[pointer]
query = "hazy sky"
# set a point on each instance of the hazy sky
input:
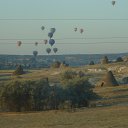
(64, 9)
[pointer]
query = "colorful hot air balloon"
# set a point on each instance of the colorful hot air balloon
(42, 28)
(19, 43)
(35, 53)
(113, 2)
(45, 41)
(48, 50)
(81, 30)
(51, 42)
(55, 50)
(52, 30)
(50, 35)
(36, 43)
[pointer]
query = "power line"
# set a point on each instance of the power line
(64, 19)
(73, 43)
(72, 38)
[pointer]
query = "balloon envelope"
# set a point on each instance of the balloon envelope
(51, 42)
(81, 30)
(42, 27)
(55, 50)
(19, 43)
(113, 2)
(36, 43)
(52, 30)
(50, 35)
(48, 50)
(35, 53)
(75, 29)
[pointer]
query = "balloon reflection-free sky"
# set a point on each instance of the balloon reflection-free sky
(105, 26)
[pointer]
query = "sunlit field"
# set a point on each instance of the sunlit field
(106, 117)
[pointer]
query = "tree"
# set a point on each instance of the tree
(41, 93)
(105, 60)
(56, 64)
(69, 74)
(119, 59)
(91, 63)
(79, 91)
(19, 70)
(16, 95)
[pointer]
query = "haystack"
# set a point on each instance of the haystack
(109, 80)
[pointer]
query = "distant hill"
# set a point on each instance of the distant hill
(29, 61)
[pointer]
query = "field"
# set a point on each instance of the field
(104, 117)
(109, 111)
(94, 71)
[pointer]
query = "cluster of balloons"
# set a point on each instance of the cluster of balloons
(51, 41)
(48, 50)
(81, 30)
(50, 35)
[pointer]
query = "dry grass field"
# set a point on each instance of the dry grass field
(102, 117)
(111, 110)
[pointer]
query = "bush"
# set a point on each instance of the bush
(18, 71)
(16, 95)
(67, 75)
(25, 95)
(105, 60)
(91, 63)
(125, 80)
(39, 95)
(119, 59)
(56, 64)
(79, 91)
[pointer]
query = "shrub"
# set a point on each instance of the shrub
(78, 91)
(119, 59)
(18, 71)
(67, 75)
(56, 64)
(105, 60)
(91, 63)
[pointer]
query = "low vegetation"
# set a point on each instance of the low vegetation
(41, 95)
(105, 117)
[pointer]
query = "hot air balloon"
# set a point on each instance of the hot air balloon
(55, 50)
(51, 42)
(50, 35)
(19, 43)
(113, 2)
(42, 28)
(75, 29)
(81, 30)
(36, 43)
(45, 41)
(52, 30)
(48, 50)
(35, 53)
